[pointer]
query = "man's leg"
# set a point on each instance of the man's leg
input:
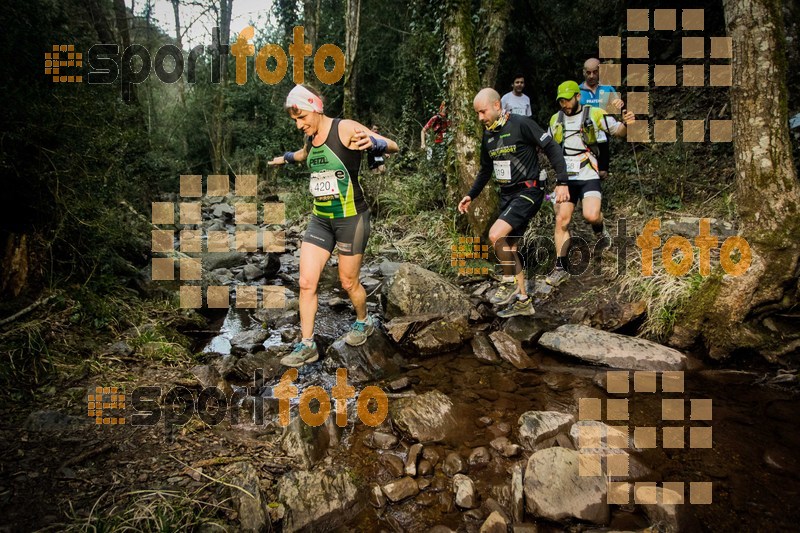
(592, 214)
(563, 218)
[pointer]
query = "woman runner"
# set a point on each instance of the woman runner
(333, 149)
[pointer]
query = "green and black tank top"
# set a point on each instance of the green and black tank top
(334, 177)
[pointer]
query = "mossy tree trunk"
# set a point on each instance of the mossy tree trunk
(462, 85)
(494, 20)
(352, 25)
(753, 311)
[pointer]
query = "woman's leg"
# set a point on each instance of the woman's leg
(349, 269)
(312, 262)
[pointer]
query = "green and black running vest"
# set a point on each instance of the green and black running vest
(334, 177)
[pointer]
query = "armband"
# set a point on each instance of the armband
(289, 157)
(379, 146)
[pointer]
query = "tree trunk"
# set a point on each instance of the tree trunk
(311, 21)
(181, 87)
(352, 21)
(495, 22)
(219, 135)
(749, 311)
(15, 265)
(462, 86)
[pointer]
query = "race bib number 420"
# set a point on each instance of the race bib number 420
(325, 183)
(502, 171)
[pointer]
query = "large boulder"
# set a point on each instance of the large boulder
(247, 498)
(444, 335)
(375, 359)
(511, 350)
(611, 349)
(425, 418)
(306, 444)
(318, 499)
(416, 291)
(555, 490)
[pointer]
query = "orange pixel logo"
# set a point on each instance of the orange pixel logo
(468, 248)
(103, 399)
(63, 55)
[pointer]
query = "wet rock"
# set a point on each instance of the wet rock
(223, 211)
(375, 359)
(209, 376)
(596, 438)
(431, 455)
(265, 364)
(564, 441)
(483, 421)
(474, 514)
(423, 483)
(669, 510)
(782, 459)
(611, 349)
(483, 349)
(525, 528)
(381, 440)
(394, 465)
(248, 341)
(376, 497)
(215, 260)
(369, 283)
(501, 429)
(464, 490)
(490, 505)
(318, 499)
(425, 468)
(479, 456)
(517, 493)
(252, 272)
(412, 458)
(424, 418)
(505, 447)
(453, 464)
(511, 350)
(306, 444)
(250, 508)
(614, 315)
(399, 384)
(537, 426)
(554, 490)
(401, 489)
(402, 327)
(495, 523)
(527, 329)
(414, 290)
(441, 336)
(389, 268)
(51, 420)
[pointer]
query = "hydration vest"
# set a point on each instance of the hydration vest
(590, 120)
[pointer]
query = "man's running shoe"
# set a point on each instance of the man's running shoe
(518, 308)
(301, 355)
(505, 293)
(359, 332)
(557, 277)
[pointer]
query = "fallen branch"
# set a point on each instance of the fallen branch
(78, 459)
(34, 305)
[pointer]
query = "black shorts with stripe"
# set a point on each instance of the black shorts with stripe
(518, 209)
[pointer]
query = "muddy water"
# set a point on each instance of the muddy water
(753, 463)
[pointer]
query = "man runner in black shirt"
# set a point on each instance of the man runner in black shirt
(508, 149)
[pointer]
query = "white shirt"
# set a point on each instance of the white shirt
(574, 146)
(519, 105)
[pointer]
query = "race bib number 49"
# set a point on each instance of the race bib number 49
(325, 184)
(502, 171)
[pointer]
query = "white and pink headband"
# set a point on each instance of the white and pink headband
(302, 98)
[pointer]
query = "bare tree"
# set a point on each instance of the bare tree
(753, 311)
(352, 22)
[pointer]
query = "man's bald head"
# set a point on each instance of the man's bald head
(591, 63)
(487, 96)
(487, 105)
(591, 72)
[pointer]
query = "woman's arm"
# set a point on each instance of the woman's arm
(356, 136)
(296, 157)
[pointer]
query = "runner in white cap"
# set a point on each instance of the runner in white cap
(333, 149)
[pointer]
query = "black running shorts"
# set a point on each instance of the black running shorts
(349, 234)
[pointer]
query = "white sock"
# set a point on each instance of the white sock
(308, 342)
(509, 279)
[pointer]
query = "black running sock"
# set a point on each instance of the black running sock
(561, 262)
(598, 228)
